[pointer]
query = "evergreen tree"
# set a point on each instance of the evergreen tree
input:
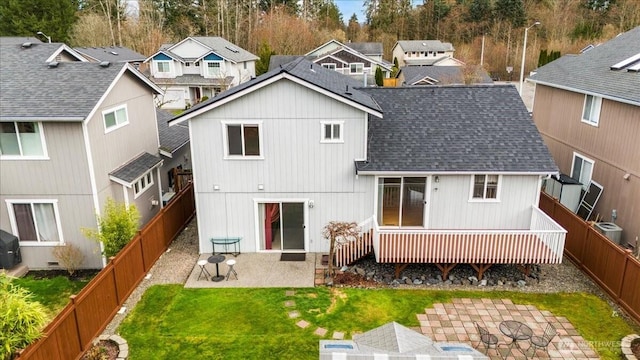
(511, 11)
(353, 28)
(262, 65)
(379, 78)
(26, 17)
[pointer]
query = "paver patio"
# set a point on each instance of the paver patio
(454, 322)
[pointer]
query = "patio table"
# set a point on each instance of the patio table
(516, 331)
(216, 259)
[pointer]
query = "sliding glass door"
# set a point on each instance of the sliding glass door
(282, 226)
(401, 201)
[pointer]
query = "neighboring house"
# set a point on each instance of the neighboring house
(72, 135)
(277, 158)
(442, 75)
(587, 108)
(346, 59)
(424, 53)
(113, 54)
(176, 153)
(197, 67)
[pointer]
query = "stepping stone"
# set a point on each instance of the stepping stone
(289, 293)
(320, 331)
(289, 303)
(303, 324)
(338, 335)
(294, 314)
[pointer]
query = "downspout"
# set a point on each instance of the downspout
(94, 186)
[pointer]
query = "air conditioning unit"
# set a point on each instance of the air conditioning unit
(610, 230)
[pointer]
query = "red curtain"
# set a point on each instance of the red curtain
(272, 214)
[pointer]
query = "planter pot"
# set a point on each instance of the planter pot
(625, 344)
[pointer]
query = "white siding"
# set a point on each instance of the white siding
(295, 163)
(450, 207)
(189, 49)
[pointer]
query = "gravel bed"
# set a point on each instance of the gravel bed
(545, 278)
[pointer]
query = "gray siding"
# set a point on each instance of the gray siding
(76, 212)
(67, 157)
(117, 147)
(295, 164)
(450, 207)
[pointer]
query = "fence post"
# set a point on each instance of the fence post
(115, 279)
(75, 317)
(624, 272)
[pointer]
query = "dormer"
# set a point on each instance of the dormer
(163, 66)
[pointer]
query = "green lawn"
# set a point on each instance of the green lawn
(53, 293)
(171, 322)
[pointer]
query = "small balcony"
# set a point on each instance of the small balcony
(541, 243)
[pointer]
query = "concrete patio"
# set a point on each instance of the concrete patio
(259, 270)
(454, 322)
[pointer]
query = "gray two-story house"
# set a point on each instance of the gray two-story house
(72, 135)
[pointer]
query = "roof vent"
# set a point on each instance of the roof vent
(53, 64)
(105, 64)
(311, 67)
(346, 91)
(113, 53)
(587, 48)
(26, 45)
(232, 49)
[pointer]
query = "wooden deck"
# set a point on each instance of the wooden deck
(542, 243)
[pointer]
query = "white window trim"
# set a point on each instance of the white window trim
(148, 184)
(355, 73)
(584, 158)
(595, 110)
(116, 126)
(330, 66)
(484, 200)
(225, 140)
(45, 153)
(324, 140)
(14, 225)
(157, 69)
(220, 69)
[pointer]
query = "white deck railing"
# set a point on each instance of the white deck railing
(542, 243)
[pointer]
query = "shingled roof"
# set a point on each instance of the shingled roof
(114, 54)
(424, 45)
(315, 75)
(171, 138)
(66, 91)
(444, 74)
(590, 72)
(475, 128)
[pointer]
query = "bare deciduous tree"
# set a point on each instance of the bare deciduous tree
(339, 233)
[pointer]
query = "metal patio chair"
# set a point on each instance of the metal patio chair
(487, 339)
(542, 342)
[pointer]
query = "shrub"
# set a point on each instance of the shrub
(21, 318)
(379, 78)
(118, 226)
(69, 257)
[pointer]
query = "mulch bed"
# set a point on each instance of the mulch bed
(635, 347)
(104, 350)
(350, 279)
(78, 275)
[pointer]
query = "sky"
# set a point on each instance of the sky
(349, 7)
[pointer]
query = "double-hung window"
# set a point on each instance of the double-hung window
(582, 169)
(330, 66)
(115, 118)
(22, 140)
(163, 67)
(214, 68)
(35, 221)
(485, 187)
(591, 111)
(356, 68)
(243, 140)
(142, 184)
(331, 131)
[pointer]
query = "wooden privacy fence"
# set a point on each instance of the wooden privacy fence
(609, 265)
(70, 334)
